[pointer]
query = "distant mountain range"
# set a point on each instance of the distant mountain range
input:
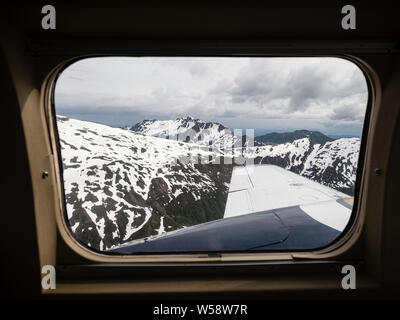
(340, 136)
(278, 138)
(132, 183)
(192, 130)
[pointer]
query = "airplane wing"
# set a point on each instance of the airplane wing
(268, 208)
(265, 187)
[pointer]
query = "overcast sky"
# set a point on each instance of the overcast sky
(276, 94)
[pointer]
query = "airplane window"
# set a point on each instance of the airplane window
(209, 154)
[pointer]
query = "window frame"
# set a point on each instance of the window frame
(341, 244)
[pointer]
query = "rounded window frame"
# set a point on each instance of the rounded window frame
(344, 242)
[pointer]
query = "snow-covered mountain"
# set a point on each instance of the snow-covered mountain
(193, 130)
(123, 185)
(333, 163)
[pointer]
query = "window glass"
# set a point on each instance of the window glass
(199, 154)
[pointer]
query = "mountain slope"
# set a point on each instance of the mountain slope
(121, 186)
(333, 163)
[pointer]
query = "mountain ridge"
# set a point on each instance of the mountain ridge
(193, 130)
(290, 136)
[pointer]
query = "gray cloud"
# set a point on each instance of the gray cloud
(347, 113)
(301, 87)
(313, 93)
